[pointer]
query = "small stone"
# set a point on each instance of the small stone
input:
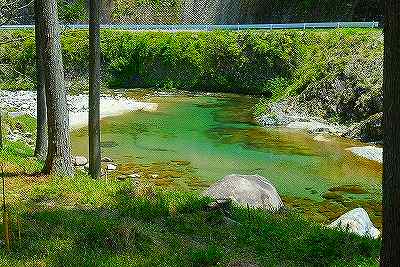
(81, 168)
(24, 106)
(321, 138)
(79, 161)
(219, 204)
(121, 178)
(134, 175)
(107, 159)
(111, 167)
(13, 137)
(154, 176)
(28, 135)
(357, 221)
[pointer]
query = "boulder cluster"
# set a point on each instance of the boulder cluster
(257, 192)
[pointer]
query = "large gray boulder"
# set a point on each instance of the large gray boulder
(252, 190)
(356, 221)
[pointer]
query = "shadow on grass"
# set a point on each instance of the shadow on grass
(175, 230)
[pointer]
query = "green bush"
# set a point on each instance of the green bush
(270, 63)
(73, 11)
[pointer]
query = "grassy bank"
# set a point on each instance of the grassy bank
(85, 222)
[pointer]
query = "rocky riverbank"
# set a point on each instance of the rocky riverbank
(24, 102)
(279, 115)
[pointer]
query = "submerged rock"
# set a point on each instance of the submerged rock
(321, 138)
(357, 221)
(252, 190)
(352, 189)
(107, 159)
(122, 177)
(79, 161)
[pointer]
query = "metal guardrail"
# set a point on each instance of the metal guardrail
(207, 27)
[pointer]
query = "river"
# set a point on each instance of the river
(214, 136)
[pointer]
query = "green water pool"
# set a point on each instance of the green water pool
(218, 136)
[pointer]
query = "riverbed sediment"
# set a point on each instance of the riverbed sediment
(24, 102)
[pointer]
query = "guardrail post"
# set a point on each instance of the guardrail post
(304, 26)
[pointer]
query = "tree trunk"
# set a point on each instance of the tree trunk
(391, 156)
(41, 131)
(94, 89)
(1, 134)
(58, 160)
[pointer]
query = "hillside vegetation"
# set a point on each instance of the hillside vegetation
(336, 74)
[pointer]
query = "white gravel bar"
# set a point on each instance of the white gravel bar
(24, 102)
(369, 152)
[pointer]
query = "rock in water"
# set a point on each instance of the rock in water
(107, 159)
(356, 221)
(111, 167)
(252, 190)
(79, 161)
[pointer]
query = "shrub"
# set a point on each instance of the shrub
(270, 63)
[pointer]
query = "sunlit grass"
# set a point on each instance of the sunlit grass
(80, 221)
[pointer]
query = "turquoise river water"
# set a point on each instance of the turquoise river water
(218, 136)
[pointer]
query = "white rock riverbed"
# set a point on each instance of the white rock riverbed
(318, 128)
(24, 102)
(369, 152)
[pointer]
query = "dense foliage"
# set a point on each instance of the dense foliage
(272, 63)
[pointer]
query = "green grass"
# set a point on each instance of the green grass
(84, 222)
(114, 224)
(22, 123)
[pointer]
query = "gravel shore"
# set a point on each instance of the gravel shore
(317, 127)
(369, 152)
(24, 102)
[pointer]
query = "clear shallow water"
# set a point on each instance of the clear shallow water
(218, 137)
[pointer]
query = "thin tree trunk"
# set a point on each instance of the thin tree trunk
(1, 134)
(94, 89)
(391, 156)
(41, 115)
(59, 147)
